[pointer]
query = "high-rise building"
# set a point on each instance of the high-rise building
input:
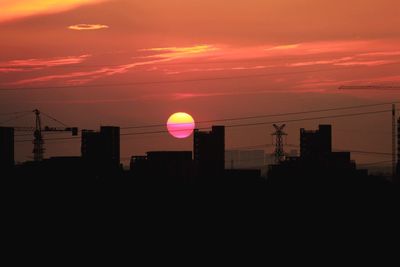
(316, 144)
(111, 144)
(90, 145)
(101, 149)
(6, 147)
(209, 151)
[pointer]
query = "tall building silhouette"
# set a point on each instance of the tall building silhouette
(6, 147)
(317, 163)
(101, 149)
(209, 151)
(316, 144)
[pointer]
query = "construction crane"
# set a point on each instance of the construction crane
(38, 130)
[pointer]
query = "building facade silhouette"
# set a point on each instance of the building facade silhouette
(316, 144)
(101, 149)
(209, 151)
(317, 162)
(6, 148)
(163, 167)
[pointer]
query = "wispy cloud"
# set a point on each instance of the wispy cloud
(383, 53)
(50, 62)
(182, 96)
(12, 9)
(39, 63)
(87, 27)
(82, 77)
(283, 47)
(319, 62)
(180, 52)
(258, 67)
(366, 63)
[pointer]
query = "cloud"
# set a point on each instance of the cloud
(213, 59)
(258, 67)
(39, 63)
(180, 52)
(366, 63)
(13, 9)
(284, 47)
(319, 62)
(183, 96)
(82, 77)
(382, 53)
(87, 27)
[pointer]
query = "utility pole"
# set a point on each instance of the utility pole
(279, 135)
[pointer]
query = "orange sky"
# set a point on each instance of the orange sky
(286, 55)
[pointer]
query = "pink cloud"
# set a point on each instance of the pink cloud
(173, 53)
(366, 63)
(319, 62)
(383, 53)
(8, 70)
(283, 47)
(51, 62)
(222, 58)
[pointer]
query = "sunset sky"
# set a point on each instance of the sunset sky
(130, 62)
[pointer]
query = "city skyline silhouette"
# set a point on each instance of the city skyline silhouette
(209, 162)
(269, 88)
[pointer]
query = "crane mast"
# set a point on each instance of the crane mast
(38, 142)
(38, 130)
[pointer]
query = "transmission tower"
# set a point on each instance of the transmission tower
(279, 135)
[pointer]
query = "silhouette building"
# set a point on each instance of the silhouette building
(209, 152)
(101, 149)
(317, 163)
(163, 167)
(316, 144)
(6, 147)
(244, 159)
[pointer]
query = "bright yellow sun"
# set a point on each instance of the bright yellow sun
(180, 125)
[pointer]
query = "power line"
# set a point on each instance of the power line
(14, 113)
(177, 81)
(246, 124)
(249, 117)
(270, 115)
(54, 119)
(21, 115)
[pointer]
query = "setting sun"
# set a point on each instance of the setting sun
(180, 125)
